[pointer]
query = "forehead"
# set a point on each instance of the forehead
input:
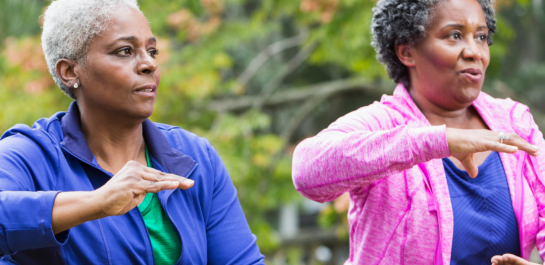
(462, 12)
(127, 21)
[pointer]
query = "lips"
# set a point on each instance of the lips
(472, 74)
(148, 90)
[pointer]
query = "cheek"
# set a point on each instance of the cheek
(486, 57)
(115, 73)
(441, 59)
(114, 70)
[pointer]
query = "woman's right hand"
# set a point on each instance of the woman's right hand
(464, 143)
(130, 185)
(120, 194)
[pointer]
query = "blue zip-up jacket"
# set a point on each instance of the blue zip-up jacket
(53, 156)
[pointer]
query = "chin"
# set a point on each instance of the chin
(142, 112)
(468, 94)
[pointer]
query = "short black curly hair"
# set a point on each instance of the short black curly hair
(398, 22)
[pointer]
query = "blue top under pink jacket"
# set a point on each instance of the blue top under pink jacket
(53, 156)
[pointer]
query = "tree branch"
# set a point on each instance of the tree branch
(298, 94)
(298, 118)
(264, 56)
(275, 82)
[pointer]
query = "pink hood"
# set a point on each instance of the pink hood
(388, 157)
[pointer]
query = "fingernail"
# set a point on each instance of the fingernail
(535, 147)
(187, 181)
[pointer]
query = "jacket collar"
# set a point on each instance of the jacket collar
(405, 105)
(409, 109)
(172, 160)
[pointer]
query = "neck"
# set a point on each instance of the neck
(113, 140)
(463, 118)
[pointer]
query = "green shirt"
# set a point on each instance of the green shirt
(167, 246)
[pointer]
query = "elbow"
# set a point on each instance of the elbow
(306, 173)
(303, 178)
(300, 172)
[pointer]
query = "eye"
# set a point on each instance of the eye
(153, 53)
(482, 38)
(124, 51)
(456, 36)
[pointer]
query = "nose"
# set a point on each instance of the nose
(472, 51)
(146, 64)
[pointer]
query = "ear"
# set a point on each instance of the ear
(67, 71)
(405, 54)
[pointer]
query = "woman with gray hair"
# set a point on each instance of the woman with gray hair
(440, 172)
(100, 183)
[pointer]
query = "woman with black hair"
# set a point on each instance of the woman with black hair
(440, 172)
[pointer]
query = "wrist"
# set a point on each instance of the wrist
(73, 208)
(94, 201)
(429, 142)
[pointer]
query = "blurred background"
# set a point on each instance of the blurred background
(256, 77)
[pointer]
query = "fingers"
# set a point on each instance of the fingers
(184, 183)
(498, 260)
(151, 174)
(515, 260)
(510, 259)
(470, 166)
(499, 147)
(154, 187)
(515, 140)
(462, 141)
(134, 171)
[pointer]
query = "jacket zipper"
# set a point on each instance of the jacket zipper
(148, 239)
(164, 204)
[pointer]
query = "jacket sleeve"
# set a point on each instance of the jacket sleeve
(359, 149)
(25, 210)
(229, 238)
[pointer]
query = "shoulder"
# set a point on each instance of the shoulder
(28, 153)
(376, 116)
(42, 138)
(199, 148)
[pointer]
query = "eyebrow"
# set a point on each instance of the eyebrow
(461, 26)
(133, 38)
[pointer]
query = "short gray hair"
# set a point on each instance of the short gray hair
(70, 25)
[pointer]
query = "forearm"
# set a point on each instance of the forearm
(332, 163)
(71, 209)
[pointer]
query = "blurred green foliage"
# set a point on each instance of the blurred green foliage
(206, 45)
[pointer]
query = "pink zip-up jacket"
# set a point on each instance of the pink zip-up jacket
(388, 157)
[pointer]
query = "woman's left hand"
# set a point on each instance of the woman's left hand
(510, 259)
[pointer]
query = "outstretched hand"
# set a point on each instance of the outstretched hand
(510, 259)
(130, 185)
(120, 194)
(464, 143)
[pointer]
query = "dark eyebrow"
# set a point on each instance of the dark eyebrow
(133, 38)
(130, 38)
(461, 26)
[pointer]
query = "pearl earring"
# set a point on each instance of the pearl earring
(76, 85)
